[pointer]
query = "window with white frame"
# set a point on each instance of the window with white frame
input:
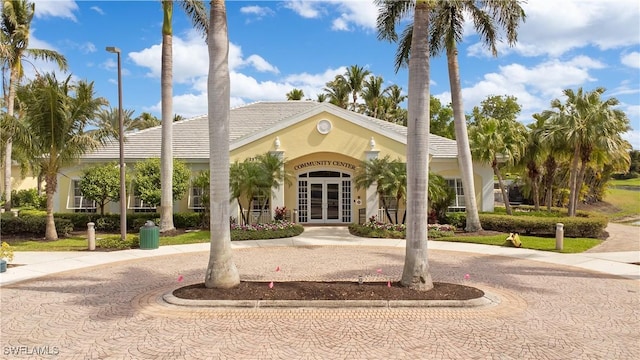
(138, 204)
(195, 198)
(77, 201)
(458, 201)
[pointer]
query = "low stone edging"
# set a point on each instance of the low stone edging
(486, 300)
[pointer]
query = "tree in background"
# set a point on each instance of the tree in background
(593, 127)
(15, 32)
(56, 115)
(101, 183)
(107, 122)
(497, 137)
(143, 121)
(295, 94)
(146, 180)
(197, 14)
(338, 92)
(354, 78)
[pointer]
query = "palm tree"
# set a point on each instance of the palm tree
(389, 176)
(535, 152)
(295, 94)
(197, 13)
(354, 78)
(446, 31)
(144, 121)
(221, 270)
(321, 98)
(589, 124)
(338, 91)
(372, 94)
(497, 134)
(107, 122)
(16, 29)
(56, 116)
(416, 272)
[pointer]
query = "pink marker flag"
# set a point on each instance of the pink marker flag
(180, 278)
(388, 283)
(467, 276)
(271, 285)
(379, 271)
(277, 268)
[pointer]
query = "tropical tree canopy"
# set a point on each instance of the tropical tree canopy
(56, 116)
(101, 183)
(146, 180)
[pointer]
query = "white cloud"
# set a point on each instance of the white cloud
(97, 9)
(261, 64)
(631, 60)
(571, 24)
(362, 14)
(533, 86)
(58, 8)
(306, 9)
(258, 11)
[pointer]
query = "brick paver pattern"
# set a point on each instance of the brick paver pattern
(116, 311)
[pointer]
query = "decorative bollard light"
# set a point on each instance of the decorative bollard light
(91, 235)
(559, 236)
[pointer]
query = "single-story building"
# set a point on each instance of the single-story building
(322, 145)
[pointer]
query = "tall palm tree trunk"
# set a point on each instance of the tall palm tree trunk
(221, 270)
(50, 189)
(13, 84)
(503, 190)
(166, 149)
(462, 141)
(416, 274)
(573, 186)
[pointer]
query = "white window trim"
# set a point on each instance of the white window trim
(71, 196)
(192, 198)
(457, 201)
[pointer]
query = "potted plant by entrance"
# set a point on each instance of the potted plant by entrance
(6, 254)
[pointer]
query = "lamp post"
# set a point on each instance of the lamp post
(123, 190)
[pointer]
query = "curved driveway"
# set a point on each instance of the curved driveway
(115, 311)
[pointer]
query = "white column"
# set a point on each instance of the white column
(371, 199)
(277, 195)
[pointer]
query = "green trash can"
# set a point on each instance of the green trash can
(149, 236)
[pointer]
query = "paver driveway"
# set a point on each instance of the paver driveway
(115, 311)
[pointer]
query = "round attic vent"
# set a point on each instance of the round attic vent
(324, 126)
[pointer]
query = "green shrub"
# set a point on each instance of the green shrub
(114, 242)
(32, 225)
(583, 225)
(457, 219)
(28, 198)
(187, 220)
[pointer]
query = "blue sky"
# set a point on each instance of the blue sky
(280, 45)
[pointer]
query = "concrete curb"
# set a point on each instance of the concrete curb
(488, 299)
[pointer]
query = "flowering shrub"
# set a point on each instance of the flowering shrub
(378, 229)
(280, 213)
(276, 225)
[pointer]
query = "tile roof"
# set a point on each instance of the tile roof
(249, 122)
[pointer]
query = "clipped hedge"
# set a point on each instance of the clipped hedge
(32, 226)
(526, 221)
(239, 234)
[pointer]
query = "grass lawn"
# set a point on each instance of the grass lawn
(626, 202)
(627, 182)
(570, 245)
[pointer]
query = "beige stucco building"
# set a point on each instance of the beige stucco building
(322, 144)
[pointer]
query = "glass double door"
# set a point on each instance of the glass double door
(324, 201)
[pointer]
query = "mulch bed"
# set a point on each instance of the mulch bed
(308, 290)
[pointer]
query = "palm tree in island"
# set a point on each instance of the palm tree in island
(15, 32)
(221, 270)
(197, 13)
(416, 273)
(446, 31)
